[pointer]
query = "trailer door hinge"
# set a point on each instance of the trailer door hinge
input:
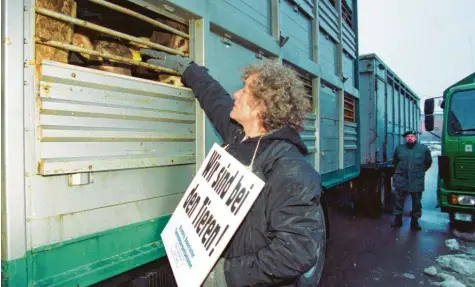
(226, 39)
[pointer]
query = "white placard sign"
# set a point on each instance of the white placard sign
(208, 215)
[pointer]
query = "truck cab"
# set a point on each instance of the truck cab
(456, 179)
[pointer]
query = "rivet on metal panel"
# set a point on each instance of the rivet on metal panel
(79, 179)
(73, 75)
(25, 8)
(296, 8)
(25, 83)
(25, 41)
(90, 167)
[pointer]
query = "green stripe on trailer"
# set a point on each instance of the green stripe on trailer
(90, 259)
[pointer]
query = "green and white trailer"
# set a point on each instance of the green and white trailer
(94, 163)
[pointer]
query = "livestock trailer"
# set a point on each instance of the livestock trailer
(390, 108)
(94, 162)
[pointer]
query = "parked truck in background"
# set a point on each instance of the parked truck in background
(388, 108)
(456, 177)
(94, 162)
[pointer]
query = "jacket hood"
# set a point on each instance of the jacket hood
(287, 134)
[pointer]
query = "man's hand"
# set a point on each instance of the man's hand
(165, 60)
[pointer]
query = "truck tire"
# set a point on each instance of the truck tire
(373, 194)
(160, 276)
(384, 192)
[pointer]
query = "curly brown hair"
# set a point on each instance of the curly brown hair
(280, 93)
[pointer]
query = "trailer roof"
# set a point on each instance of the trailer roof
(374, 56)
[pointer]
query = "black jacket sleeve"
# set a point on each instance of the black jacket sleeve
(427, 159)
(296, 223)
(213, 98)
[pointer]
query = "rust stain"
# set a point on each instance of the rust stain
(7, 41)
(41, 166)
(47, 89)
(38, 71)
(39, 104)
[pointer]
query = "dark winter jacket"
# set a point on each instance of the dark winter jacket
(278, 239)
(411, 164)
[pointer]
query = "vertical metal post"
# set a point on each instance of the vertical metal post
(2, 180)
(340, 93)
(275, 13)
(31, 113)
(198, 32)
(13, 161)
(275, 18)
(316, 83)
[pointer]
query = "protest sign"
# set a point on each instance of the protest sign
(208, 215)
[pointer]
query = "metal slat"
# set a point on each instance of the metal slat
(140, 16)
(106, 82)
(73, 48)
(81, 110)
(464, 167)
(84, 135)
(72, 165)
(94, 96)
(105, 30)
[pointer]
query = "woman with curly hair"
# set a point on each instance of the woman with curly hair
(281, 239)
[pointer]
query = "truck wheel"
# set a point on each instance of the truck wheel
(385, 192)
(379, 195)
(315, 273)
(382, 190)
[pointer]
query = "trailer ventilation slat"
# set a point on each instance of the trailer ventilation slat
(305, 77)
(349, 108)
(346, 13)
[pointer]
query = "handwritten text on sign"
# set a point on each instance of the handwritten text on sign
(208, 215)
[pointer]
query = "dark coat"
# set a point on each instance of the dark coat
(278, 239)
(411, 164)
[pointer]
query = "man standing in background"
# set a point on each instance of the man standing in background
(411, 161)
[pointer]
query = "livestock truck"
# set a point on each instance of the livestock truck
(388, 108)
(97, 151)
(456, 177)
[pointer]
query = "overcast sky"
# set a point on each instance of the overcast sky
(429, 44)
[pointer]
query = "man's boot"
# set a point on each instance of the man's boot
(415, 224)
(397, 221)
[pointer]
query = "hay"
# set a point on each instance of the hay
(52, 29)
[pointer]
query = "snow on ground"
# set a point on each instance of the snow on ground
(456, 269)
(460, 263)
(452, 244)
(409, 275)
(435, 153)
(434, 147)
